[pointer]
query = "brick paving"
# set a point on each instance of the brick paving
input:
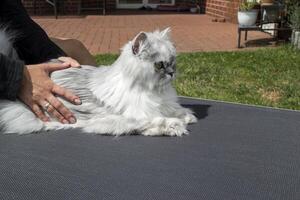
(107, 34)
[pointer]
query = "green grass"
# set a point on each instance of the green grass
(268, 77)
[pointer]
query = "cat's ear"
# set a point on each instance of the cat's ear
(165, 33)
(139, 39)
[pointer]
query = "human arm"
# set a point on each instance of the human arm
(30, 41)
(34, 87)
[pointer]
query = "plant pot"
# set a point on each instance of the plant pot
(247, 18)
(266, 1)
(296, 39)
(193, 10)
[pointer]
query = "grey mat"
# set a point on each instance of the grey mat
(233, 152)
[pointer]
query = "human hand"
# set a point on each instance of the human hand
(38, 90)
(70, 61)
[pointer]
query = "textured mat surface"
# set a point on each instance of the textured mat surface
(233, 152)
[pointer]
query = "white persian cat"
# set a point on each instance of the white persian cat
(133, 95)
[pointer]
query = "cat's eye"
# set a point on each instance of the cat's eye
(159, 65)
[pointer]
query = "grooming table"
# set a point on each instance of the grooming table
(233, 152)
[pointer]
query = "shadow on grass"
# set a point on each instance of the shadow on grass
(263, 42)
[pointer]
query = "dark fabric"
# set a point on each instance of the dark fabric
(32, 43)
(233, 152)
(11, 72)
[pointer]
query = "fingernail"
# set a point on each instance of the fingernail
(72, 120)
(77, 101)
(65, 121)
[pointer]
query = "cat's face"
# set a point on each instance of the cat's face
(165, 68)
(157, 53)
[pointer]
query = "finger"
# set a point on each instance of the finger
(54, 113)
(51, 67)
(70, 60)
(74, 63)
(39, 113)
(66, 94)
(58, 106)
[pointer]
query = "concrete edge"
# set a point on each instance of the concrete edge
(242, 104)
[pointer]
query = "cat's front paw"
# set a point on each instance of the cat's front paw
(175, 127)
(166, 126)
(190, 119)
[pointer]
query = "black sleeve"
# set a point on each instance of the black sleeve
(32, 43)
(11, 73)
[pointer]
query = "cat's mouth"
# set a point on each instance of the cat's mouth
(167, 75)
(164, 73)
(167, 78)
(170, 76)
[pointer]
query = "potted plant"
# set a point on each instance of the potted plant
(295, 25)
(247, 15)
(194, 6)
(266, 1)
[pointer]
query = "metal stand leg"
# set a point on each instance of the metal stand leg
(79, 7)
(55, 6)
(239, 38)
(246, 35)
(104, 7)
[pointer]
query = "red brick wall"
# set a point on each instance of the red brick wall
(69, 7)
(223, 8)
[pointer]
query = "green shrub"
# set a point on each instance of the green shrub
(295, 18)
(247, 5)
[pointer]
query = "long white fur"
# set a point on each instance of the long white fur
(127, 97)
